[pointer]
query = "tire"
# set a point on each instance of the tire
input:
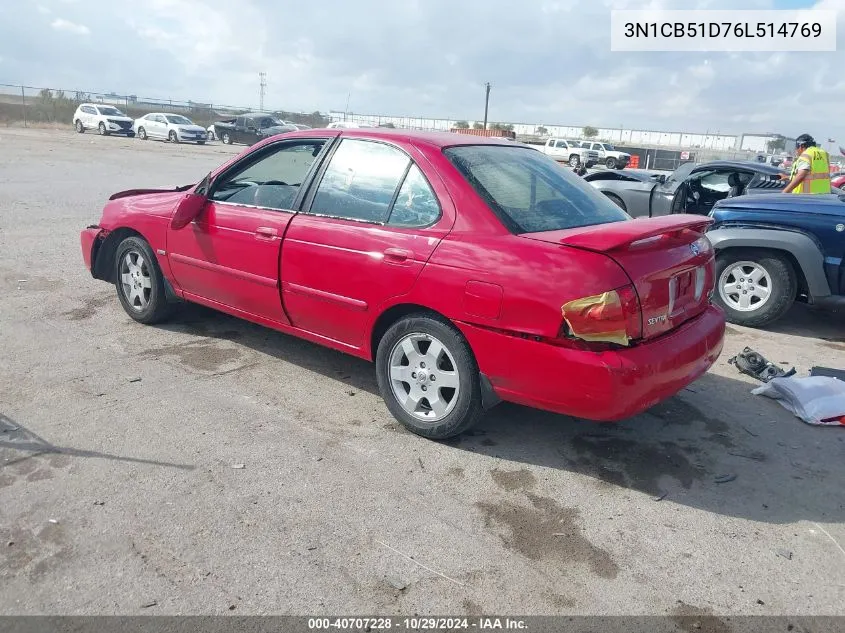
(226, 138)
(778, 277)
(617, 201)
(130, 135)
(102, 129)
(419, 332)
(610, 163)
(200, 142)
(142, 134)
(173, 137)
(145, 303)
(574, 160)
(80, 129)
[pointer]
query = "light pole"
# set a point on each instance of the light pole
(486, 102)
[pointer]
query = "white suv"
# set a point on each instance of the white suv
(105, 119)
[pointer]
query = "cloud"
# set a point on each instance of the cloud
(43, 10)
(549, 62)
(60, 24)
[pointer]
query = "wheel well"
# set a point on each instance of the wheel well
(391, 316)
(803, 289)
(104, 257)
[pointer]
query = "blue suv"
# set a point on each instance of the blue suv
(775, 249)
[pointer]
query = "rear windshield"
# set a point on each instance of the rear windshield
(531, 192)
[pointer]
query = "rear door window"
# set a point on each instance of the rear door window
(530, 192)
(361, 182)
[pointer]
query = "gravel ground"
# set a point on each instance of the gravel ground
(118, 441)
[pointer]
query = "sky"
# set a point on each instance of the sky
(549, 62)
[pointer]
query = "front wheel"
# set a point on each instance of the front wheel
(102, 129)
(142, 134)
(174, 138)
(754, 287)
(574, 160)
(226, 138)
(140, 284)
(428, 377)
(610, 163)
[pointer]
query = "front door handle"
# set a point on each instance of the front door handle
(397, 255)
(265, 233)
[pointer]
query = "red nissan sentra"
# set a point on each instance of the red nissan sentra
(470, 270)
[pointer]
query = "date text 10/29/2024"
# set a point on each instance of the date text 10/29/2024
(417, 624)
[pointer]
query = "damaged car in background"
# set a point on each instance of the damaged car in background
(691, 188)
(470, 270)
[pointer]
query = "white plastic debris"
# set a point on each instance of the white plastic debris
(815, 399)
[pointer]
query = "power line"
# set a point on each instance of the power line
(263, 77)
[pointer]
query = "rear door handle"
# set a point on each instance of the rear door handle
(265, 233)
(397, 255)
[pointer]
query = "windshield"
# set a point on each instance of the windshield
(681, 172)
(109, 111)
(268, 121)
(177, 119)
(608, 147)
(531, 192)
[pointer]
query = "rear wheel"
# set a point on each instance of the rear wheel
(142, 134)
(610, 163)
(754, 287)
(428, 377)
(174, 138)
(574, 160)
(79, 127)
(140, 284)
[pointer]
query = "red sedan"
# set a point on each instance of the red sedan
(838, 180)
(470, 270)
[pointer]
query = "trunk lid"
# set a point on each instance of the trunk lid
(668, 260)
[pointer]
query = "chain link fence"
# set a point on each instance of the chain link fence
(32, 106)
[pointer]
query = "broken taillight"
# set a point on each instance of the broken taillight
(613, 317)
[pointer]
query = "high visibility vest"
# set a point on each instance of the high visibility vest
(818, 180)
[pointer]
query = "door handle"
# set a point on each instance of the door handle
(397, 255)
(265, 233)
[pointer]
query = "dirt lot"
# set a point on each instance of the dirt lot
(117, 488)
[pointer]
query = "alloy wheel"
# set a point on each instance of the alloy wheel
(424, 377)
(745, 286)
(136, 283)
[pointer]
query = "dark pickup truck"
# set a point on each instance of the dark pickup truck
(250, 128)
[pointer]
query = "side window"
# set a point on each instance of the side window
(273, 181)
(416, 205)
(360, 181)
(562, 145)
(716, 182)
(597, 147)
(249, 123)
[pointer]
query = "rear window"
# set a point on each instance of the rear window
(531, 192)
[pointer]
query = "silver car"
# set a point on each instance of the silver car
(169, 127)
(691, 188)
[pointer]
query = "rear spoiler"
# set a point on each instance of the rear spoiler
(616, 235)
(138, 192)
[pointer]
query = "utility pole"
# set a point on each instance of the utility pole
(486, 103)
(263, 78)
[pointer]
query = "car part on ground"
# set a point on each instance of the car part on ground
(753, 364)
(454, 325)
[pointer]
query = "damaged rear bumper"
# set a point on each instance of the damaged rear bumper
(600, 386)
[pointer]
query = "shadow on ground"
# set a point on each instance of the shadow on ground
(714, 446)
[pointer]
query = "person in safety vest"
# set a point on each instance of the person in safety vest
(811, 169)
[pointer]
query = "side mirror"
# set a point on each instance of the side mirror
(188, 209)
